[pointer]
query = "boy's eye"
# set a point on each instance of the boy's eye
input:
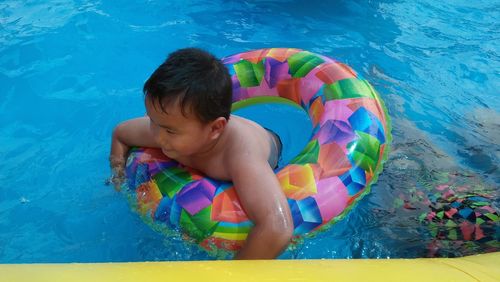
(170, 131)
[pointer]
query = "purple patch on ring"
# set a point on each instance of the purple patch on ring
(275, 71)
(337, 130)
(196, 196)
(239, 93)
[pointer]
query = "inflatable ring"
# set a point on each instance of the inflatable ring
(342, 156)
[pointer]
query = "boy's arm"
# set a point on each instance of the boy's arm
(133, 132)
(265, 204)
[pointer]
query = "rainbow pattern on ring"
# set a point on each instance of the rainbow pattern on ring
(350, 139)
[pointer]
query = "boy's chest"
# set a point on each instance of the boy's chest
(213, 168)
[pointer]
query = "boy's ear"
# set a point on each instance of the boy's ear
(217, 127)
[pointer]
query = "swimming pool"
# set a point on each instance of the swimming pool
(70, 70)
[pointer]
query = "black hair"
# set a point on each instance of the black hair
(197, 80)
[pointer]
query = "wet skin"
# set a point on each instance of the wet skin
(236, 150)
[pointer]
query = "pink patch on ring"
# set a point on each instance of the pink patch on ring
(332, 197)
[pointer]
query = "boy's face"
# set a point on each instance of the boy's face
(177, 134)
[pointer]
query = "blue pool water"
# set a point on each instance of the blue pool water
(70, 70)
(291, 123)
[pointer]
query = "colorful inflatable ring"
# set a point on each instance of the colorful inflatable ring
(347, 145)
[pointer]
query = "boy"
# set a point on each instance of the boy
(188, 103)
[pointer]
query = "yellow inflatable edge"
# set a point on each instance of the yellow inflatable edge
(484, 267)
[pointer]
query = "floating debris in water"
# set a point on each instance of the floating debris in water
(23, 200)
(457, 210)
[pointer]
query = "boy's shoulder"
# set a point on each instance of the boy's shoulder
(245, 146)
(246, 140)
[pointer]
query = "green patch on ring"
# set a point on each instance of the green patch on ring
(248, 73)
(349, 88)
(302, 63)
(171, 180)
(308, 155)
(365, 151)
(198, 226)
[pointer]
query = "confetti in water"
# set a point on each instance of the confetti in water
(23, 200)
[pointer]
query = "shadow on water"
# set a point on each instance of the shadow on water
(426, 205)
(481, 149)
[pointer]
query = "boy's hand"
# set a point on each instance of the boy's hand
(117, 172)
(134, 132)
(116, 162)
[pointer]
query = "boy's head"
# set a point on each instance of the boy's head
(195, 80)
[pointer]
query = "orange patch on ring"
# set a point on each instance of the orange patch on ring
(289, 89)
(226, 207)
(332, 72)
(332, 160)
(281, 54)
(254, 56)
(148, 198)
(316, 111)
